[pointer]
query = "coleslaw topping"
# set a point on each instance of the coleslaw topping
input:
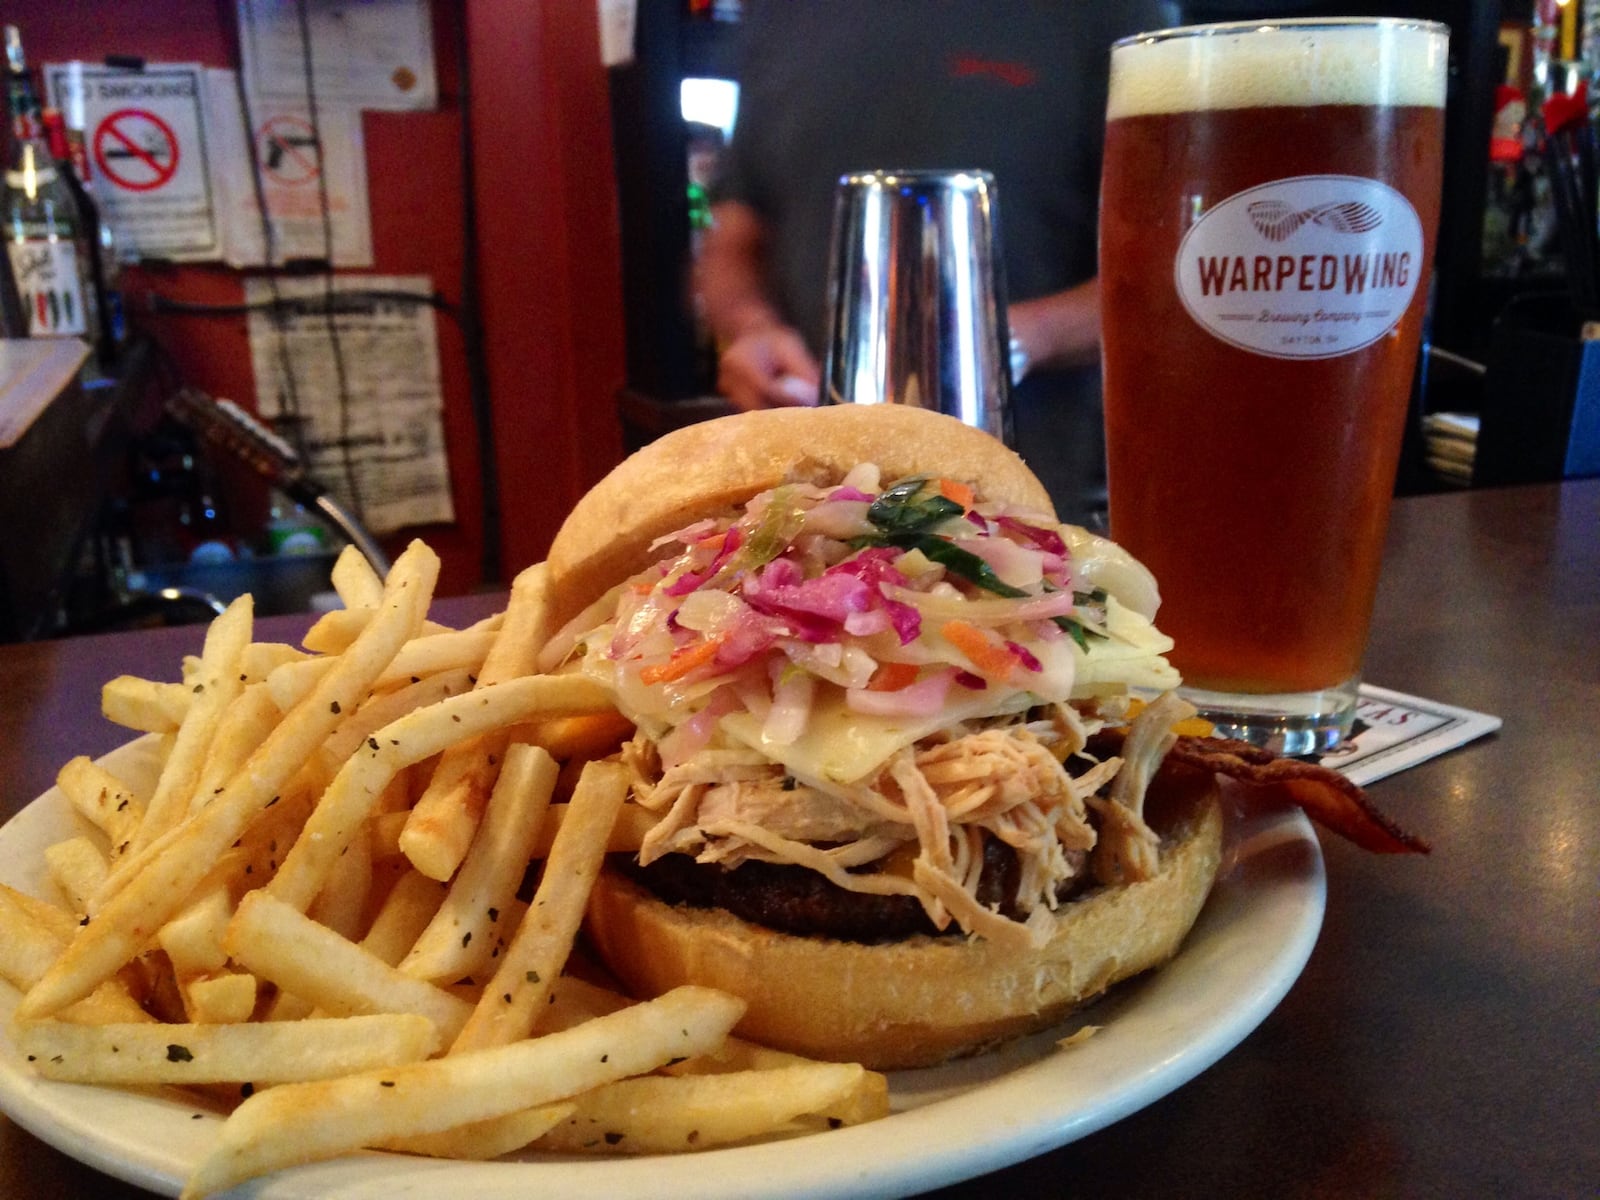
(869, 680)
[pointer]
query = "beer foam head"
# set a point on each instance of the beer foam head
(1278, 64)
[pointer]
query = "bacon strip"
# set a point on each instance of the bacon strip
(1326, 796)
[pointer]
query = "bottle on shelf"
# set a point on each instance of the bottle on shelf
(72, 162)
(13, 320)
(42, 226)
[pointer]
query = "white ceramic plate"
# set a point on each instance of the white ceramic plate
(950, 1123)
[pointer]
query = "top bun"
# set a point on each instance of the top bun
(712, 467)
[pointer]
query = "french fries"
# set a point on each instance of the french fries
(462, 934)
(660, 1114)
(316, 886)
(531, 963)
(290, 1124)
(276, 942)
(144, 705)
(102, 799)
(217, 684)
(255, 1053)
(445, 818)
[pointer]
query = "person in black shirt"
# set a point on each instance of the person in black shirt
(1014, 87)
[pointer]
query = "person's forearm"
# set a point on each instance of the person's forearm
(1058, 330)
(729, 277)
(762, 361)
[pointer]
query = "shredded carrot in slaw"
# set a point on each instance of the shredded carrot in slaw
(954, 489)
(682, 662)
(990, 659)
(892, 677)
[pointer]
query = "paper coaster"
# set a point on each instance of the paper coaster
(1394, 731)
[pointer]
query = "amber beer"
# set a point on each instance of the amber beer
(1269, 204)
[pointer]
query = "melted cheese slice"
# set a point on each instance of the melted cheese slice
(1129, 658)
(840, 746)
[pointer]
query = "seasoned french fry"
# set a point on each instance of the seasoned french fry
(459, 939)
(29, 941)
(406, 912)
(354, 579)
(291, 682)
(193, 938)
(663, 1114)
(459, 654)
(736, 1054)
(335, 631)
(119, 930)
(144, 704)
(216, 685)
(277, 942)
(226, 999)
(397, 795)
(633, 822)
(439, 652)
(341, 905)
(102, 799)
(867, 1100)
(254, 857)
(574, 1000)
(447, 815)
(260, 659)
(483, 1140)
(286, 1006)
(243, 726)
(78, 869)
(32, 935)
(51, 918)
(317, 1048)
(524, 627)
(582, 737)
(379, 710)
(536, 955)
(418, 735)
(300, 1123)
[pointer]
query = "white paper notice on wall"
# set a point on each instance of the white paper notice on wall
(150, 153)
(376, 54)
(293, 165)
(347, 368)
(618, 19)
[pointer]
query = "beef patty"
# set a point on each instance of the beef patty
(797, 900)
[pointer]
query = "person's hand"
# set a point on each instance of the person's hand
(1054, 331)
(768, 367)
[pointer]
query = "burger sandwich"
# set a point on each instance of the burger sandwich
(904, 797)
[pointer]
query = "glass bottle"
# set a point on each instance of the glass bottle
(71, 163)
(41, 225)
(13, 321)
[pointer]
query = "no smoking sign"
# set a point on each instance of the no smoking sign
(145, 133)
(136, 150)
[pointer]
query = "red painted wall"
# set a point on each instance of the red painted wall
(549, 263)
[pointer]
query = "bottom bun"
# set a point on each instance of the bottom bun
(922, 1000)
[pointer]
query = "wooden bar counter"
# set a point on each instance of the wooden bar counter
(1444, 1038)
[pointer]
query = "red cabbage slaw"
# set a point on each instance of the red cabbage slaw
(893, 595)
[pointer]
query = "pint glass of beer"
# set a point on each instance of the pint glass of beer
(1269, 204)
